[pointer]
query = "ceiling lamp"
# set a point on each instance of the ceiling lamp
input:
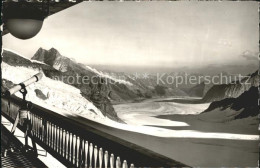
(23, 19)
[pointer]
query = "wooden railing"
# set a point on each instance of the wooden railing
(79, 145)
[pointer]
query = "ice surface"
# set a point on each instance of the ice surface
(101, 74)
(62, 98)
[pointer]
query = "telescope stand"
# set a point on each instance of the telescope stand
(23, 114)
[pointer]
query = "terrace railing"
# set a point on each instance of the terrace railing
(77, 144)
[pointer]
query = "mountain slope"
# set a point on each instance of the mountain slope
(244, 106)
(54, 95)
(196, 91)
(51, 72)
(234, 89)
(53, 58)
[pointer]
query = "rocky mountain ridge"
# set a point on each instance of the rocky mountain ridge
(244, 106)
(233, 89)
(53, 58)
(126, 87)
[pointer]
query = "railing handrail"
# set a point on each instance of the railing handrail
(140, 156)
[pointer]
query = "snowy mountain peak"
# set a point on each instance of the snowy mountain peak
(53, 58)
(54, 51)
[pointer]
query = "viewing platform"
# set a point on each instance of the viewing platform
(17, 158)
(78, 144)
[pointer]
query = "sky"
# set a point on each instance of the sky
(150, 34)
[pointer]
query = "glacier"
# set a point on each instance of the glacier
(67, 101)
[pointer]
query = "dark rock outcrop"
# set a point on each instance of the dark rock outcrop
(100, 97)
(244, 106)
(231, 90)
(40, 95)
(53, 58)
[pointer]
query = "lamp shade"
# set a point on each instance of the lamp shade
(22, 19)
(24, 28)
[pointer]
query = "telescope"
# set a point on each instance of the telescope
(24, 84)
(23, 112)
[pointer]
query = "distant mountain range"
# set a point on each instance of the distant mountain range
(102, 94)
(236, 100)
(197, 90)
(130, 88)
(127, 87)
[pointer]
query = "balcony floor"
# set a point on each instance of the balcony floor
(16, 158)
